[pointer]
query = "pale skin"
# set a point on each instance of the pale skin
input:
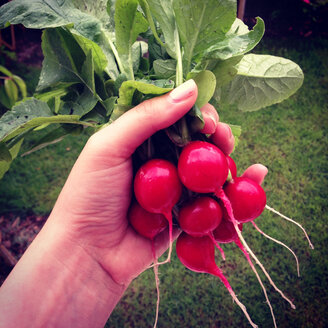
(79, 265)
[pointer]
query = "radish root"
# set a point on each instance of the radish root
(280, 243)
(291, 220)
(227, 204)
(240, 245)
(156, 282)
(217, 245)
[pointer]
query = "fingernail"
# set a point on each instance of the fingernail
(183, 91)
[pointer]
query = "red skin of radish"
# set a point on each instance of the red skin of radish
(226, 233)
(247, 198)
(232, 167)
(202, 167)
(145, 223)
(200, 216)
(157, 186)
(197, 253)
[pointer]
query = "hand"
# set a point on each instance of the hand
(94, 202)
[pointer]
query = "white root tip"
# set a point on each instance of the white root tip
(243, 308)
(158, 293)
(290, 220)
(240, 245)
(280, 243)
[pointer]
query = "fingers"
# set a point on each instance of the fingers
(123, 136)
(211, 119)
(256, 172)
(224, 138)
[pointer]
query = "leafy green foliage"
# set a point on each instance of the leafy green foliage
(96, 67)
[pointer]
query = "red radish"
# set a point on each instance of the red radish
(157, 188)
(145, 223)
(198, 254)
(148, 225)
(226, 233)
(247, 199)
(232, 167)
(202, 167)
(200, 217)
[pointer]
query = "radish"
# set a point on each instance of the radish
(202, 167)
(199, 217)
(247, 199)
(148, 225)
(157, 188)
(198, 254)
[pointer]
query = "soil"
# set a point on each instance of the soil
(16, 234)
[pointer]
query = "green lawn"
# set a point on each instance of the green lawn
(291, 140)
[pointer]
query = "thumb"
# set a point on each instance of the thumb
(129, 131)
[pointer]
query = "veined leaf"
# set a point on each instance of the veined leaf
(129, 23)
(11, 90)
(165, 68)
(63, 59)
(163, 12)
(49, 13)
(100, 60)
(5, 155)
(206, 83)
(30, 114)
(201, 24)
(261, 81)
(236, 44)
(127, 89)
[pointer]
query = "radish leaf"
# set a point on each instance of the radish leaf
(261, 81)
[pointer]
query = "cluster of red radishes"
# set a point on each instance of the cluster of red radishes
(210, 204)
(217, 205)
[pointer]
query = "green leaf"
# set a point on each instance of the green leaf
(163, 12)
(165, 68)
(206, 82)
(13, 152)
(129, 23)
(236, 44)
(63, 59)
(88, 72)
(21, 84)
(226, 70)
(236, 131)
(11, 90)
(4, 99)
(261, 81)
(156, 87)
(42, 14)
(30, 114)
(5, 71)
(201, 24)
(5, 155)
(99, 58)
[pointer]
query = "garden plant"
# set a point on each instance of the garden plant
(105, 57)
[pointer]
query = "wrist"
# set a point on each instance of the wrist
(63, 284)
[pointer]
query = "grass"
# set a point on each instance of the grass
(291, 140)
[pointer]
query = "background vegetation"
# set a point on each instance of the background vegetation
(291, 140)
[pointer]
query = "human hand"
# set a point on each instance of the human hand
(94, 202)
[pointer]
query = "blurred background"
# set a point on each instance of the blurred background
(290, 138)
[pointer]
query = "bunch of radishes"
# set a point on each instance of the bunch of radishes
(210, 205)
